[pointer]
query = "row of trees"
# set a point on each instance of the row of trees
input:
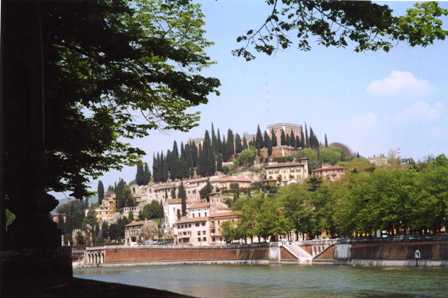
(204, 158)
(143, 175)
(410, 199)
(123, 194)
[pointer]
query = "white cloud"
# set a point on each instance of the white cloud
(418, 112)
(400, 83)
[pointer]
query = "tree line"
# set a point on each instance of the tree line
(205, 157)
(407, 199)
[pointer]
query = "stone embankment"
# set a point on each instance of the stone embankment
(372, 252)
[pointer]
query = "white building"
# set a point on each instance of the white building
(284, 173)
(172, 209)
(134, 210)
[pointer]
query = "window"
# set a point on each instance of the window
(203, 224)
(205, 213)
(199, 239)
(204, 239)
(197, 224)
(203, 232)
(199, 233)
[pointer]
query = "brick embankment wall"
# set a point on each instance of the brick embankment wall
(326, 255)
(308, 248)
(382, 250)
(286, 256)
(209, 254)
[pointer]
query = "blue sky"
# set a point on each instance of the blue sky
(373, 102)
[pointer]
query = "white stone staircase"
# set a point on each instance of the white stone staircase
(303, 257)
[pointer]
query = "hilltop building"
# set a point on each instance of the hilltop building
(108, 208)
(287, 128)
(332, 173)
(284, 173)
(139, 231)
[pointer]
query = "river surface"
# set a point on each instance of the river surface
(279, 280)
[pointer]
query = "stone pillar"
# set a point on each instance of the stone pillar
(32, 255)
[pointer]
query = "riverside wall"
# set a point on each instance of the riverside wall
(157, 255)
(368, 253)
(392, 253)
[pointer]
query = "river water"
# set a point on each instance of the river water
(279, 280)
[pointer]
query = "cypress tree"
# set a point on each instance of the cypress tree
(268, 143)
(273, 138)
(244, 143)
(258, 138)
(292, 140)
(230, 147)
(302, 139)
(326, 141)
(298, 142)
(100, 191)
(283, 140)
(314, 142)
(139, 176)
(155, 168)
(307, 139)
(164, 168)
(219, 142)
(219, 162)
(146, 174)
(225, 155)
(238, 144)
(183, 198)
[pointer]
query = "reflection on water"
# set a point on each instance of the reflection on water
(280, 280)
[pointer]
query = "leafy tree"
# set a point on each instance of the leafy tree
(90, 219)
(365, 25)
(105, 230)
(246, 158)
(330, 155)
(206, 191)
(152, 210)
(144, 56)
(124, 195)
(131, 216)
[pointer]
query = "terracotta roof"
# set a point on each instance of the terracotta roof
(223, 214)
(174, 201)
(284, 165)
(198, 205)
(136, 223)
(232, 179)
(191, 219)
(328, 168)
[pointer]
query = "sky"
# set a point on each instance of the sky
(373, 102)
